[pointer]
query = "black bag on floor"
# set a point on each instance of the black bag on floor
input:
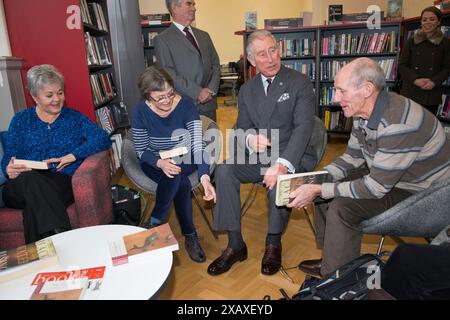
(352, 281)
(126, 205)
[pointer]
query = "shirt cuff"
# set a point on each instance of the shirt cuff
(287, 164)
(247, 144)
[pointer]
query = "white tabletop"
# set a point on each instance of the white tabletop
(88, 248)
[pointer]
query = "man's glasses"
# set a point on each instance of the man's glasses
(160, 99)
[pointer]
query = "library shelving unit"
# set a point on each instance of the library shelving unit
(149, 32)
(328, 49)
(409, 27)
(72, 35)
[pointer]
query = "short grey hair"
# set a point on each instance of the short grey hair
(258, 35)
(169, 4)
(42, 75)
(365, 69)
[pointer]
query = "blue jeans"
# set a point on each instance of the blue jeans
(176, 190)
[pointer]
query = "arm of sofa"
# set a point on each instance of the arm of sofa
(91, 185)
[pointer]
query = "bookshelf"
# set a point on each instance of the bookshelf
(329, 48)
(149, 32)
(409, 27)
(74, 36)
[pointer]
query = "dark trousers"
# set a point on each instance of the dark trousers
(432, 108)
(418, 272)
(338, 224)
(227, 212)
(176, 190)
(44, 198)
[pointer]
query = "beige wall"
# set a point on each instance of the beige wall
(152, 6)
(5, 49)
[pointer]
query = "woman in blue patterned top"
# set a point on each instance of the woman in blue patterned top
(165, 121)
(53, 133)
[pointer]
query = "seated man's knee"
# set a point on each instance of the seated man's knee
(223, 171)
(339, 209)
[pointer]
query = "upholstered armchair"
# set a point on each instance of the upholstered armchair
(92, 206)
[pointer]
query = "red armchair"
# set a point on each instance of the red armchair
(92, 206)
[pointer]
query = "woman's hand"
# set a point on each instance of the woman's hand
(210, 192)
(63, 162)
(14, 170)
(169, 167)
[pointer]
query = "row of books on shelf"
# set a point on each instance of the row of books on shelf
(102, 86)
(97, 51)
(364, 43)
(335, 120)
(329, 68)
(115, 152)
(444, 109)
(151, 36)
(112, 117)
(327, 95)
(296, 47)
(155, 19)
(92, 14)
(81, 283)
(308, 69)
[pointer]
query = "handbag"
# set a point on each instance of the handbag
(126, 205)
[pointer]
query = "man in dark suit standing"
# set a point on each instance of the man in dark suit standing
(276, 110)
(189, 56)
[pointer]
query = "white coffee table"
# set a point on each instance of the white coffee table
(87, 248)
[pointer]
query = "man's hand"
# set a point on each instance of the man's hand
(270, 178)
(169, 167)
(63, 162)
(429, 85)
(304, 195)
(205, 95)
(259, 143)
(210, 192)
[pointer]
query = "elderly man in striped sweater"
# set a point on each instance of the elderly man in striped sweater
(396, 148)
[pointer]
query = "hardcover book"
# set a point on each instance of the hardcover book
(15, 263)
(335, 12)
(273, 24)
(251, 20)
(39, 165)
(394, 10)
(138, 245)
(287, 183)
(94, 278)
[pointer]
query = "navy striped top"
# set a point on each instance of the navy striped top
(30, 138)
(182, 127)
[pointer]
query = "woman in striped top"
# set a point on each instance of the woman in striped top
(165, 121)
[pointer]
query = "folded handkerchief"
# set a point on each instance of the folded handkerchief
(283, 97)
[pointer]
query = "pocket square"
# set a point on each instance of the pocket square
(283, 97)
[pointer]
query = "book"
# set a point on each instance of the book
(72, 289)
(335, 12)
(167, 154)
(39, 165)
(138, 245)
(15, 263)
(251, 20)
(273, 24)
(394, 9)
(286, 183)
(94, 278)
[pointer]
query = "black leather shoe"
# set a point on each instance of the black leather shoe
(53, 232)
(271, 261)
(223, 263)
(311, 267)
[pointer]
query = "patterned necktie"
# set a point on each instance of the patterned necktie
(269, 83)
(191, 39)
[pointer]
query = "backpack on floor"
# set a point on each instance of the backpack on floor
(126, 205)
(352, 281)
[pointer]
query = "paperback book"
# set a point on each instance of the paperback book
(287, 183)
(18, 262)
(72, 289)
(139, 245)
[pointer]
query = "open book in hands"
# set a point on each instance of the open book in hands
(286, 183)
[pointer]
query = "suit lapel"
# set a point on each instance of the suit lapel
(277, 88)
(182, 38)
(260, 101)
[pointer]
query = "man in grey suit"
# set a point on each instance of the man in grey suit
(189, 56)
(276, 110)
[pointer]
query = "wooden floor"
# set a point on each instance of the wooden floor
(189, 280)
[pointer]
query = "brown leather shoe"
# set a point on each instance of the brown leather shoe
(311, 267)
(223, 263)
(271, 261)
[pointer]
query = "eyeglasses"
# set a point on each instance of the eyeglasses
(160, 99)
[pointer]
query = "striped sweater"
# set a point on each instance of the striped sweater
(402, 144)
(152, 133)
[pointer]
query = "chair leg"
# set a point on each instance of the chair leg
(144, 212)
(248, 202)
(380, 246)
(309, 222)
(197, 202)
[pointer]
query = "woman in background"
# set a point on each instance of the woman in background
(164, 121)
(425, 62)
(53, 133)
